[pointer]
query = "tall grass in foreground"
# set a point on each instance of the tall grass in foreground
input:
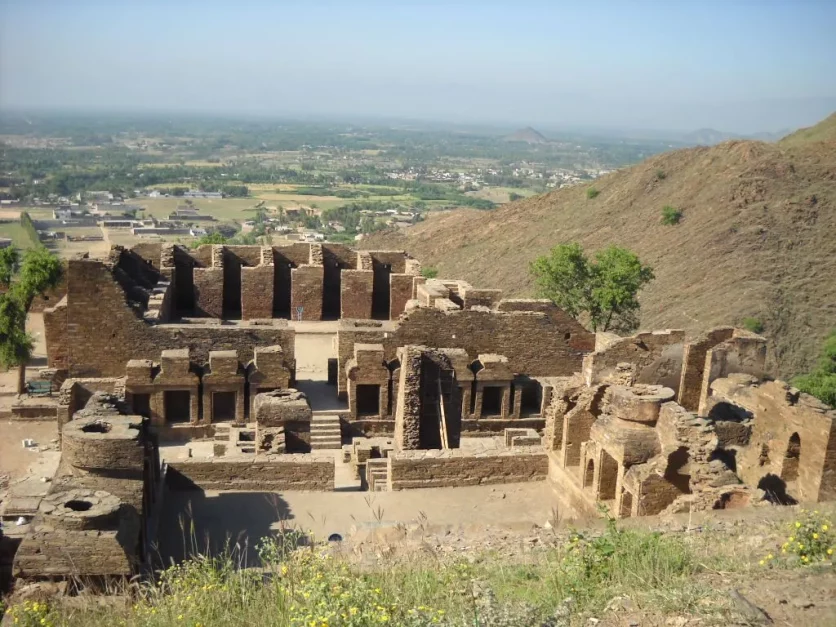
(309, 586)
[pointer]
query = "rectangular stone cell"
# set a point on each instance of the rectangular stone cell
(223, 406)
(368, 400)
(177, 405)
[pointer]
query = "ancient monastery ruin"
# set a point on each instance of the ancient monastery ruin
(429, 383)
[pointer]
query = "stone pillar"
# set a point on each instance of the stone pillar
(306, 292)
(356, 294)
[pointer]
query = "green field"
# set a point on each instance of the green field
(20, 238)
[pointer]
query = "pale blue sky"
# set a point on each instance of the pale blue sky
(734, 65)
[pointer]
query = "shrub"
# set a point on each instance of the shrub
(513, 196)
(592, 193)
(753, 324)
(429, 273)
(671, 215)
(821, 381)
(660, 175)
(811, 539)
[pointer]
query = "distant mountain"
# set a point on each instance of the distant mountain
(527, 135)
(756, 238)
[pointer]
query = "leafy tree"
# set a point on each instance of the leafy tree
(9, 258)
(604, 291)
(821, 381)
(209, 238)
(39, 272)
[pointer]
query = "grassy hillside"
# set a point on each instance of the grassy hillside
(757, 238)
(823, 131)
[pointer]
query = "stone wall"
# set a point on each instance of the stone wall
(257, 291)
(779, 413)
(55, 331)
(533, 343)
(356, 294)
(654, 358)
(103, 332)
(306, 292)
(279, 472)
(453, 467)
(693, 365)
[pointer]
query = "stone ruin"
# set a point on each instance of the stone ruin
(431, 383)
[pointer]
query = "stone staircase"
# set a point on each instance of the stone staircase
(325, 432)
(377, 474)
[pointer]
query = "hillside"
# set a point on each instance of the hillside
(527, 135)
(823, 131)
(757, 238)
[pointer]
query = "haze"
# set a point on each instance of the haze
(736, 66)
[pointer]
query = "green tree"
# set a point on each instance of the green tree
(209, 238)
(604, 291)
(9, 258)
(821, 381)
(39, 272)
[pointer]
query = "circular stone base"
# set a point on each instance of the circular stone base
(81, 509)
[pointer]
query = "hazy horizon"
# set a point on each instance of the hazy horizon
(735, 66)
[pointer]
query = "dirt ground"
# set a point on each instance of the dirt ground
(14, 458)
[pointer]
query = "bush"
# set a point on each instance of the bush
(514, 196)
(592, 193)
(429, 273)
(671, 215)
(753, 324)
(660, 175)
(821, 381)
(811, 539)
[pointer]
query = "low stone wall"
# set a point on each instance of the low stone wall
(454, 467)
(274, 473)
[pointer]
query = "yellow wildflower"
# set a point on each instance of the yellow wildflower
(761, 562)
(830, 551)
(770, 556)
(824, 527)
(797, 524)
(815, 536)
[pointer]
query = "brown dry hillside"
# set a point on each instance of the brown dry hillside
(757, 238)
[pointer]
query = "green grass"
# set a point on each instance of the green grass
(312, 586)
(19, 236)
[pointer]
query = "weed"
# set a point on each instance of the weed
(753, 324)
(660, 175)
(591, 193)
(429, 273)
(811, 539)
(671, 215)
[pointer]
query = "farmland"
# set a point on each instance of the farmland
(254, 176)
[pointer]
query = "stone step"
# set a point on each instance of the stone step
(325, 430)
(329, 423)
(325, 441)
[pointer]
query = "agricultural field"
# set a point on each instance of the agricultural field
(340, 180)
(19, 236)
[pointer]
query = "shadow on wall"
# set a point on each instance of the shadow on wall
(776, 490)
(230, 523)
